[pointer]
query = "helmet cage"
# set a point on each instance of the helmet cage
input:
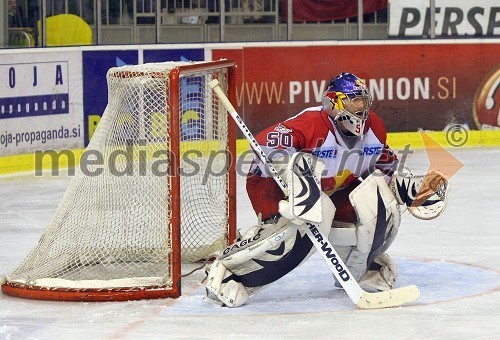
(352, 108)
(354, 105)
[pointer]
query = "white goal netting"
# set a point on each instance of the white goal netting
(114, 226)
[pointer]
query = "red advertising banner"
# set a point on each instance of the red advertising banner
(425, 86)
(328, 10)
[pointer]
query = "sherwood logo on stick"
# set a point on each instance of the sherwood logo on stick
(328, 253)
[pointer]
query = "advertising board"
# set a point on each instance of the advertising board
(458, 18)
(40, 102)
(97, 63)
(414, 85)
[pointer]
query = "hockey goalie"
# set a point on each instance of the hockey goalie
(358, 198)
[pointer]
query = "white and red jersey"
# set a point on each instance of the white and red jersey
(315, 132)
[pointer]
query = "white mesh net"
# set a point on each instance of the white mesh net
(113, 226)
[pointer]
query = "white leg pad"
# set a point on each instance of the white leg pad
(379, 219)
(380, 279)
(231, 294)
(266, 254)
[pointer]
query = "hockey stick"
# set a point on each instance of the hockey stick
(363, 299)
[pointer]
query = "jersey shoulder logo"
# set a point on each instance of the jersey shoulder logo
(282, 128)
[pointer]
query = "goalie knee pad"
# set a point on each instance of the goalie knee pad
(379, 219)
(265, 254)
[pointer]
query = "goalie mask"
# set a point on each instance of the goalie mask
(347, 100)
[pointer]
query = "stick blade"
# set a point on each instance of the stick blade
(391, 298)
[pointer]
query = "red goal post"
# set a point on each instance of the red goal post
(158, 189)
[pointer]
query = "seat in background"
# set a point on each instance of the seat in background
(67, 30)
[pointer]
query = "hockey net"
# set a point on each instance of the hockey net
(155, 186)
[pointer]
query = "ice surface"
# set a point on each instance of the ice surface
(454, 260)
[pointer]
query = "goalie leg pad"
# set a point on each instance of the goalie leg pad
(379, 218)
(381, 275)
(251, 264)
(231, 294)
